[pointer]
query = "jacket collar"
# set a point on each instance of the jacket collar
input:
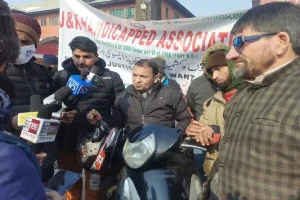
(281, 73)
(29, 63)
(69, 65)
(131, 90)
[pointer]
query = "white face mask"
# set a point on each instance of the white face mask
(26, 53)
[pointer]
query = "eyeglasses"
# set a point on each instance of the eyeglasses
(238, 42)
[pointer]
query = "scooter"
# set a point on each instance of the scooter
(159, 166)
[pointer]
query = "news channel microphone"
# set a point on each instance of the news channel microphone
(94, 77)
(65, 95)
(61, 95)
(42, 129)
(35, 102)
(79, 85)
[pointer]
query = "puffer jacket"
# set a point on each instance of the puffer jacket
(31, 79)
(162, 107)
(212, 115)
(100, 98)
(19, 170)
(28, 79)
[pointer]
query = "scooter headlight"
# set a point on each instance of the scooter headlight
(137, 153)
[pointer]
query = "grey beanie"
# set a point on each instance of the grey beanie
(161, 63)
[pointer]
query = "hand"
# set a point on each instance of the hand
(54, 195)
(41, 157)
(93, 116)
(205, 137)
(193, 129)
(68, 117)
(14, 122)
(201, 132)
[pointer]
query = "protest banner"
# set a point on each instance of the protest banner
(123, 42)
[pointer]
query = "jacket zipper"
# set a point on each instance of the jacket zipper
(143, 113)
(26, 79)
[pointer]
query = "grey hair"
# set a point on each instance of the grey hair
(273, 18)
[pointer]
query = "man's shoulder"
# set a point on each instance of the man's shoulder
(200, 80)
(18, 171)
(61, 73)
(11, 146)
(170, 92)
(112, 74)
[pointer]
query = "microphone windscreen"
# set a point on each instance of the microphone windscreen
(44, 112)
(95, 70)
(35, 102)
(63, 93)
(84, 72)
(55, 106)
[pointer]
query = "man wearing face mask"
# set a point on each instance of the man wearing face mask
(29, 79)
(15, 173)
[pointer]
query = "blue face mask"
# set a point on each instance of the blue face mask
(5, 106)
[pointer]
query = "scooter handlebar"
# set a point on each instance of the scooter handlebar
(190, 142)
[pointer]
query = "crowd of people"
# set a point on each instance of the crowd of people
(244, 108)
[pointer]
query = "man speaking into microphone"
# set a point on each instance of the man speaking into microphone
(101, 98)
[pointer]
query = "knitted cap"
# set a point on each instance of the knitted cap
(28, 25)
(161, 63)
(217, 58)
(219, 51)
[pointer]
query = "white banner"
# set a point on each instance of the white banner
(122, 42)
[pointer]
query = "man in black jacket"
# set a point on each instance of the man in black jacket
(29, 79)
(147, 100)
(101, 98)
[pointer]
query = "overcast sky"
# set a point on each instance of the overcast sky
(206, 7)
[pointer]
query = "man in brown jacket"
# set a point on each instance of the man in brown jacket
(211, 123)
(259, 153)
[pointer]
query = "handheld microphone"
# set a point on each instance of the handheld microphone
(35, 102)
(65, 95)
(93, 76)
(61, 95)
(79, 87)
(84, 73)
(42, 128)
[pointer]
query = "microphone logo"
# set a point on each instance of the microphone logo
(73, 84)
(32, 125)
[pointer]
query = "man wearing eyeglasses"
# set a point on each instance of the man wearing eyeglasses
(259, 153)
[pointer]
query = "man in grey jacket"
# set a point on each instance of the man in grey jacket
(200, 89)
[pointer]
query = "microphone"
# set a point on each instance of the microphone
(78, 83)
(42, 128)
(84, 73)
(35, 102)
(93, 76)
(61, 95)
(65, 95)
